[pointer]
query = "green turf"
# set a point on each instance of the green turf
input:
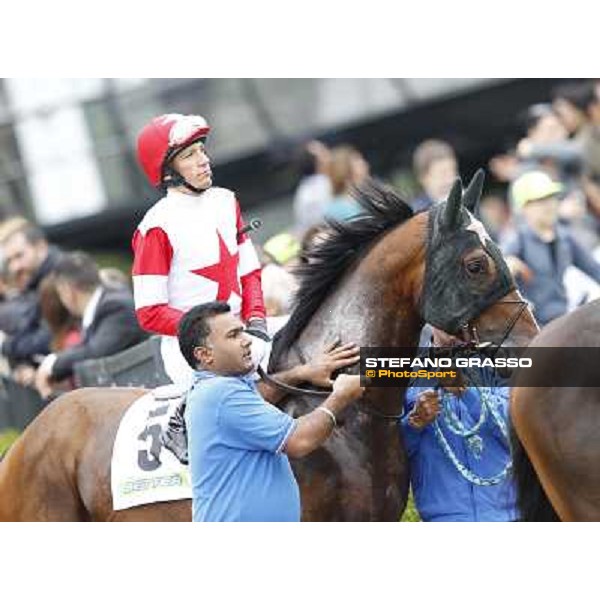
(7, 437)
(410, 514)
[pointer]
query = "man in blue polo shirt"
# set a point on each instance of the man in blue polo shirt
(238, 443)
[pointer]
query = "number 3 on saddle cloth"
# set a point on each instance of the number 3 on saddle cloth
(174, 437)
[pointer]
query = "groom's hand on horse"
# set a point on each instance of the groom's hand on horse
(319, 371)
(314, 428)
(426, 409)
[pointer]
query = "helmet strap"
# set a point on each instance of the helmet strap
(171, 178)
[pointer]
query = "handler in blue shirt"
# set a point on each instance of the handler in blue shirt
(238, 443)
(441, 491)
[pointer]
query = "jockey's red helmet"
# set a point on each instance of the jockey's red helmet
(165, 136)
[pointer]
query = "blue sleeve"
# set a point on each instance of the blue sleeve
(412, 436)
(248, 422)
(584, 261)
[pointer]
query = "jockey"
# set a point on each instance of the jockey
(190, 247)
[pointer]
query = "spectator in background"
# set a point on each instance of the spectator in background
(347, 168)
(108, 320)
(279, 286)
(114, 279)
(64, 327)
(282, 249)
(311, 239)
(28, 259)
(279, 255)
(495, 215)
(569, 102)
(589, 134)
(314, 191)
(540, 250)
(589, 138)
(436, 168)
(546, 145)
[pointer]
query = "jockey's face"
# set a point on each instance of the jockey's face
(193, 164)
(227, 350)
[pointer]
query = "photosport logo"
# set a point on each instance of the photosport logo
(486, 367)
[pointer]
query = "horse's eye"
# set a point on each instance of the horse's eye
(476, 267)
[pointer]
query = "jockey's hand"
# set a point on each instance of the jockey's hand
(426, 409)
(320, 369)
(258, 328)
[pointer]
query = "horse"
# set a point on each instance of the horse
(374, 280)
(554, 434)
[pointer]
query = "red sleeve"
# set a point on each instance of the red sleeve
(152, 252)
(151, 264)
(253, 304)
(160, 318)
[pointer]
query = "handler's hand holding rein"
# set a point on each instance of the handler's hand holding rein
(313, 429)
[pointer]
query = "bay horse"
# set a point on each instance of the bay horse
(555, 430)
(373, 281)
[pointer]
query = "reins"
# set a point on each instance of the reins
(367, 409)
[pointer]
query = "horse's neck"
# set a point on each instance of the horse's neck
(376, 304)
(367, 314)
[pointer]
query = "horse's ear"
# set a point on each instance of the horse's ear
(473, 192)
(453, 205)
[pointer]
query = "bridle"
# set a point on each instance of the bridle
(470, 335)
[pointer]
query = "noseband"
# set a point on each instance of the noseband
(470, 334)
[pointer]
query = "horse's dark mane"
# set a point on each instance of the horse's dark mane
(344, 243)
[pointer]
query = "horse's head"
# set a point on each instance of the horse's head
(468, 290)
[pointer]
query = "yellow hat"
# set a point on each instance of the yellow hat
(282, 247)
(534, 185)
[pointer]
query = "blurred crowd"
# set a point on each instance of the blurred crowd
(542, 205)
(57, 309)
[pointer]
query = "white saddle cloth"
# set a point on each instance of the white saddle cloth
(137, 477)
